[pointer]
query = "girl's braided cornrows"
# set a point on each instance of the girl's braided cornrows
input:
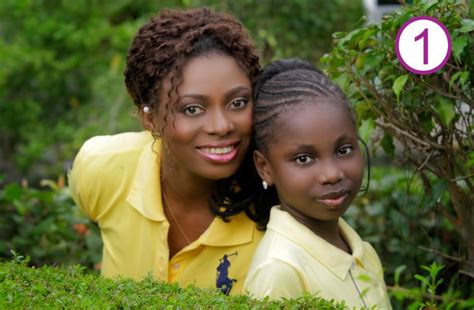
(287, 83)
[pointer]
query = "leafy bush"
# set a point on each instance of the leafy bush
(47, 225)
(396, 218)
(429, 116)
(54, 287)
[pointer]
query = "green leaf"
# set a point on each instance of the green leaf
(387, 145)
(374, 60)
(458, 46)
(445, 111)
(422, 279)
(399, 84)
(470, 160)
(467, 25)
(342, 81)
(429, 5)
(12, 192)
(461, 75)
(366, 129)
(426, 121)
(397, 273)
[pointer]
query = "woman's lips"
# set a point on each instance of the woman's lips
(219, 154)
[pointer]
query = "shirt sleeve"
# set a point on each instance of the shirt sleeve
(83, 181)
(275, 279)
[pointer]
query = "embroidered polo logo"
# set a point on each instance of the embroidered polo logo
(223, 282)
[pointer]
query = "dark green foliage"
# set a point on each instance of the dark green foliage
(47, 225)
(401, 222)
(69, 287)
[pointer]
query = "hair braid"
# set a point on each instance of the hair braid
(284, 84)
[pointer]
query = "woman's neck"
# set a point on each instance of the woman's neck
(184, 186)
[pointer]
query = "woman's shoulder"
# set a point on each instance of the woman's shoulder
(118, 143)
(104, 166)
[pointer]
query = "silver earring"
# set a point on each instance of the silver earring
(264, 184)
(146, 109)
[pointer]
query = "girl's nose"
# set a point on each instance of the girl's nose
(330, 172)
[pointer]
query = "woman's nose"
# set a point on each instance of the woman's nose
(219, 123)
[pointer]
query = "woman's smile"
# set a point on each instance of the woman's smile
(219, 153)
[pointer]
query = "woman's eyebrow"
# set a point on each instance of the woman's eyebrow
(194, 96)
(237, 90)
(234, 91)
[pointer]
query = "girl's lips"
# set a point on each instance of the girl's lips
(219, 155)
(333, 202)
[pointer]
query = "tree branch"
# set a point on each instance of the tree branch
(426, 144)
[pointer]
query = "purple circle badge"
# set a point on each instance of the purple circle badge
(423, 45)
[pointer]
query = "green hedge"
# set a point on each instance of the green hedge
(71, 287)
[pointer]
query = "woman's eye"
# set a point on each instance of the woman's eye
(238, 103)
(345, 150)
(303, 159)
(193, 110)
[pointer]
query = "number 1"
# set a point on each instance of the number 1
(424, 35)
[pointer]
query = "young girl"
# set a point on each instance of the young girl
(307, 148)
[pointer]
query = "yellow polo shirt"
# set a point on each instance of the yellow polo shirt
(291, 260)
(115, 180)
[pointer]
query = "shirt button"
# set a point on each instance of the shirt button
(176, 266)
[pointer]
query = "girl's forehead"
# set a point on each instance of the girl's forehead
(318, 119)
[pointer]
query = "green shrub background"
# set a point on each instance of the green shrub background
(61, 82)
(70, 287)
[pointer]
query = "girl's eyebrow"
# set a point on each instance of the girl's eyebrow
(344, 137)
(305, 148)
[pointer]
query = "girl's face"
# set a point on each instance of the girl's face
(315, 162)
(207, 132)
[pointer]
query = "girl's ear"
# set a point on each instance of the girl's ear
(263, 167)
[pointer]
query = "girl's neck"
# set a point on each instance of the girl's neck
(327, 230)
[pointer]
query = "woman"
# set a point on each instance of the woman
(174, 201)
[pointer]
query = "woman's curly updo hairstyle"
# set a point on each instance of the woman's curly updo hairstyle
(169, 40)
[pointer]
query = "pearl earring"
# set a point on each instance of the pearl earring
(146, 109)
(264, 184)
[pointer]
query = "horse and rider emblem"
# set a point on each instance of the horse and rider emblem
(223, 282)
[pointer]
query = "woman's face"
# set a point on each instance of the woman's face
(207, 131)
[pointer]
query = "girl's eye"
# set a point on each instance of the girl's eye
(238, 103)
(193, 110)
(303, 159)
(345, 150)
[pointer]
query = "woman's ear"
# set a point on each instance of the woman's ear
(147, 118)
(263, 167)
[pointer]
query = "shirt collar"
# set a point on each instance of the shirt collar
(145, 192)
(239, 229)
(333, 258)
